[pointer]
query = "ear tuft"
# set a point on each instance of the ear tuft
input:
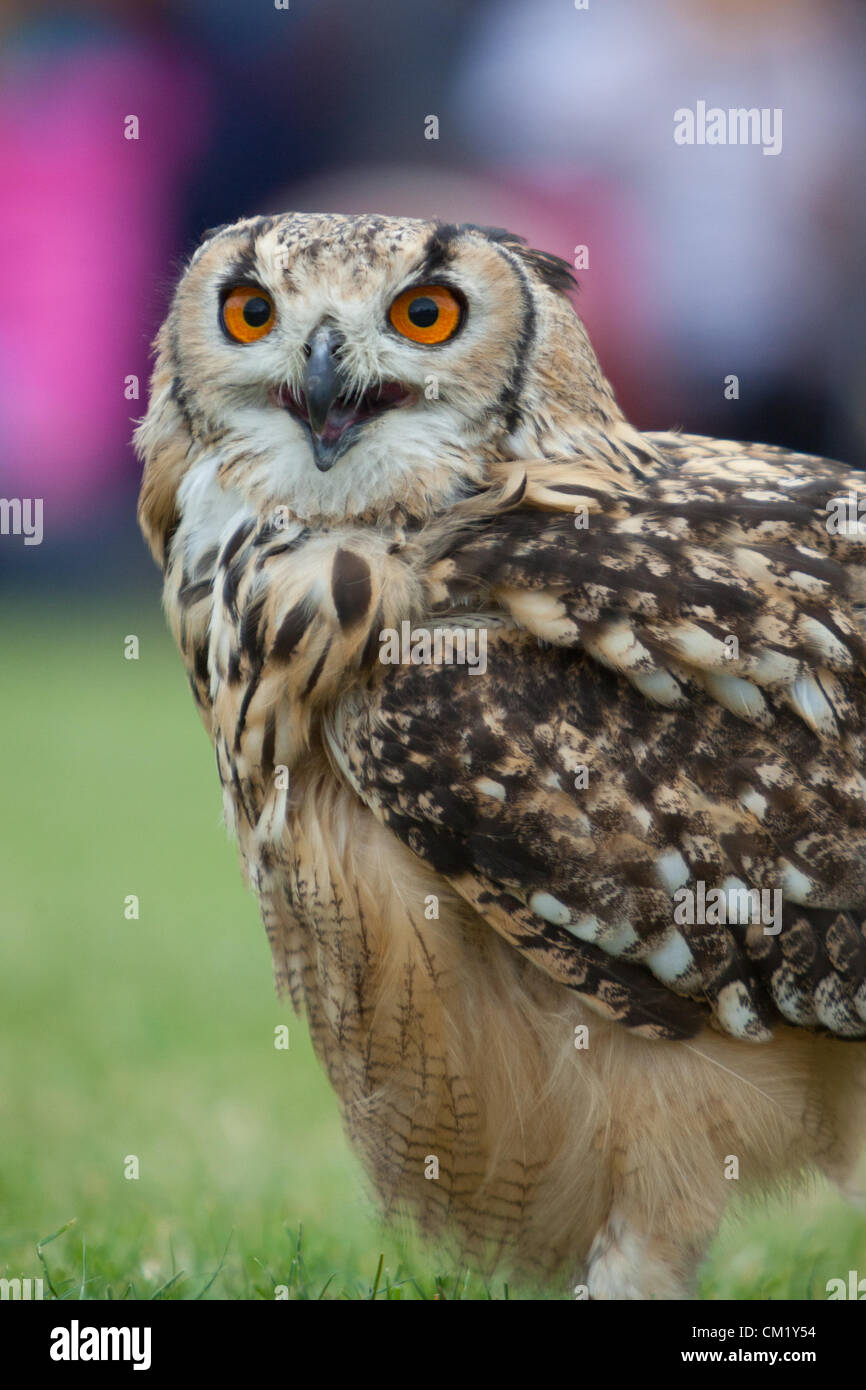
(552, 270)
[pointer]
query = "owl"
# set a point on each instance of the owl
(541, 738)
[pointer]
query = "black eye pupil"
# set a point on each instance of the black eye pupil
(257, 311)
(423, 311)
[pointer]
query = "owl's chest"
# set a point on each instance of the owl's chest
(451, 1055)
(356, 921)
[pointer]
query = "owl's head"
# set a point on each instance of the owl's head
(348, 366)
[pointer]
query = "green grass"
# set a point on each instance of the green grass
(155, 1037)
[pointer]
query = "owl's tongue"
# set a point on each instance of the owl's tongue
(346, 411)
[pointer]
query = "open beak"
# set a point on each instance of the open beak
(333, 417)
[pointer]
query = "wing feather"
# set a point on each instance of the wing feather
(694, 727)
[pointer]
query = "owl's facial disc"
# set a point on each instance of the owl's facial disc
(332, 415)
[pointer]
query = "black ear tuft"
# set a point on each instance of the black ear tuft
(553, 270)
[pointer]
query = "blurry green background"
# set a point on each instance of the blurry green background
(152, 1037)
(156, 1037)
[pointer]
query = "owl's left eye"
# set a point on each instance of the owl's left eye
(426, 313)
(248, 313)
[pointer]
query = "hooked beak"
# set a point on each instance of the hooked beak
(322, 383)
(333, 417)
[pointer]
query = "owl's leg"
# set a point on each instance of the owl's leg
(837, 1119)
(626, 1262)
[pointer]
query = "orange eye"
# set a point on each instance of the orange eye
(248, 313)
(426, 313)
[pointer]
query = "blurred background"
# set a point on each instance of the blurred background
(554, 121)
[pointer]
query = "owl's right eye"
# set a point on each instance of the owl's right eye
(248, 313)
